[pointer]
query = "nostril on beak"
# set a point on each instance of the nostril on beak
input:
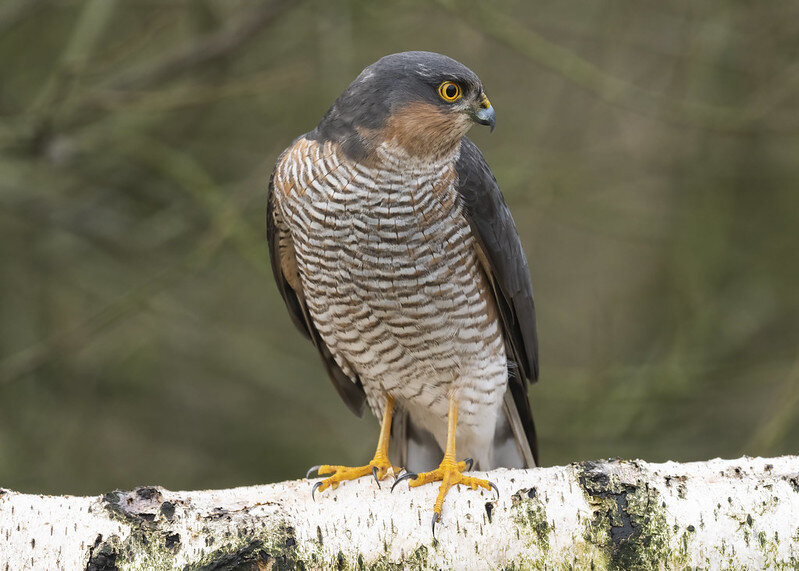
(484, 102)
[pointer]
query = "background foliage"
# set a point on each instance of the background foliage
(648, 150)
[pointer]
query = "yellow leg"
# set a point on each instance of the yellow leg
(378, 467)
(449, 471)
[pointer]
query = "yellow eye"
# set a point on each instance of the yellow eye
(449, 91)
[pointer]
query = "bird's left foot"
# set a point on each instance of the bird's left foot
(449, 473)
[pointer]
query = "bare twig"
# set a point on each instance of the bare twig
(16, 12)
(226, 224)
(192, 94)
(183, 170)
(209, 48)
(610, 89)
(93, 20)
(780, 416)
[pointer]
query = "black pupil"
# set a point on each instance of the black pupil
(451, 90)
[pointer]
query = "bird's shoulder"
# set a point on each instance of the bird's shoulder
(299, 163)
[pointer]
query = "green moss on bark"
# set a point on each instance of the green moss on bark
(628, 524)
(530, 515)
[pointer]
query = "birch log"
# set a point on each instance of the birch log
(608, 514)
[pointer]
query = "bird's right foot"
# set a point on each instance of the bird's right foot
(378, 468)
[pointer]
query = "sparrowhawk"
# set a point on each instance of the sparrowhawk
(396, 254)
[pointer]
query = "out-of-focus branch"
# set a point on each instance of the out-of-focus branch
(185, 172)
(83, 107)
(201, 51)
(780, 416)
(226, 224)
(610, 89)
(93, 20)
(15, 12)
(193, 94)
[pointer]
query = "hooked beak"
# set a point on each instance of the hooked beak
(484, 112)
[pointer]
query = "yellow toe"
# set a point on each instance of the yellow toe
(449, 473)
(378, 467)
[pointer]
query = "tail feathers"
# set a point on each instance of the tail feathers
(416, 450)
(511, 448)
(412, 447)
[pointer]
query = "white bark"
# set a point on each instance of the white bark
(613, 514)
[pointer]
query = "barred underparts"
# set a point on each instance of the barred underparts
(394, 285)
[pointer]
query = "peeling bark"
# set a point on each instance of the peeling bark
(609, 514)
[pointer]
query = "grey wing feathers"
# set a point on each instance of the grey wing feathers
(499, 244)
(350, 390)
(496, 233)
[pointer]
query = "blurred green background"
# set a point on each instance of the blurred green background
(649, 152)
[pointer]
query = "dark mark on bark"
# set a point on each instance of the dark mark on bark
(625, 531)
(629, 513)
(597, 483)
(218, 513)
(138, 507)
(102, 556)
(291, 540)
(250, 557)
(168, 510)
(148, 493)
(171, 540)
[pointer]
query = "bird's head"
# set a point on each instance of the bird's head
(421, 101)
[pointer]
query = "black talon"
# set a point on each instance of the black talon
(312, 469)
(374, 473)
(313, 491)
(435, 519)
(493, 485)
(470, 462)
(405, 476)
